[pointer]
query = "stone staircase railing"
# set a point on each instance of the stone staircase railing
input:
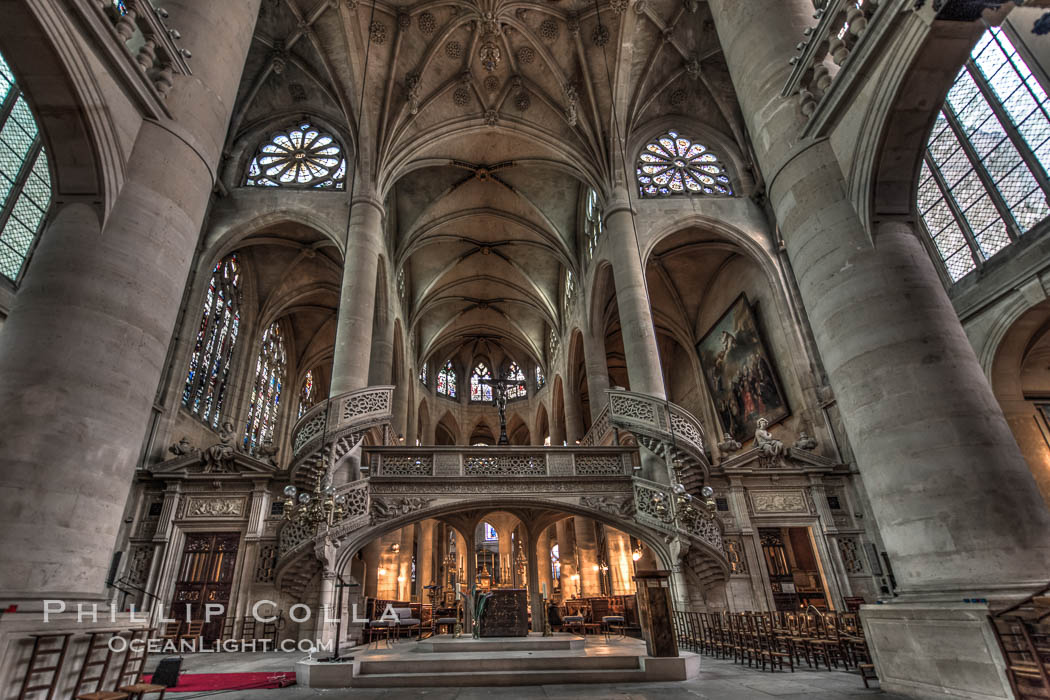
(351, 415)
(600, 432)
(421, 462)
(655, 507)
(663, 428)
(296, 538)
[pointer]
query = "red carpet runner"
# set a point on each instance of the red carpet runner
(196, 682)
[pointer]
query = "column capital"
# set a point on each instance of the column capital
(369, 198)
(619, 201)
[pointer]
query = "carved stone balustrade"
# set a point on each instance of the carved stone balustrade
(353, 415)
(846, 35)
(662, 427)
(656, 507)
(601, 432)
(139, 46)
(416, 462)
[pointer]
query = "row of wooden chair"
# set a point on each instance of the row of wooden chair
(47, 660)
(1023, 633)
(179, 631)
(775, 639)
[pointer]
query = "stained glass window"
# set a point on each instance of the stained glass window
(303, 156)
(307, 394)
(570, 289)
(446, 380)
(592, 224)
(518, 390)
(673, 164)
(541, 380)
(120, 7)
(553, 343)
(213, 350)
(266, 396)
(423, 375)
(478, 390)
(401, 284)
(555, 564)
(25, 180)
(983, 180)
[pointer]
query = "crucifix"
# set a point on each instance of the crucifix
(500, 387)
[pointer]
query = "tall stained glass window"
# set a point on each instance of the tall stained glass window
(423, 378)
(673, 164)
(266, 395)
(517, 391)
(307, 394)
(213, 349)
(25, 180)
(479, 391)
(570, 289)
(446, 381)
(552, 342)
(541, 380)
(302, 156)
(983, 181)
(592, 221)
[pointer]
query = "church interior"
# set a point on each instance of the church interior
(596, 348)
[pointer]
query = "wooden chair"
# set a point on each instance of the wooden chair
(193, 633)
(248, 630)
(44, 646)
(228, 624)
(97, 642)
(131, 669)
(170, 633)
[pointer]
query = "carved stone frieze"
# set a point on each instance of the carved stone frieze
(763, 502)
(502, 486)
(215, 507)
(387, 509)
(622, 507)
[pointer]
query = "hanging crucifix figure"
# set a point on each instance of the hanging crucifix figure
(500, 387)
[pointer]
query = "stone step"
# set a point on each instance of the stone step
(404, 679)
(443, 644)
(506, 663)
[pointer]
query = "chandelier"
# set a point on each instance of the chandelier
(323, 505)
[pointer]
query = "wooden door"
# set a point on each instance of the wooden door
(205, 576)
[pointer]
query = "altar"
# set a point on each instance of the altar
(506, 613)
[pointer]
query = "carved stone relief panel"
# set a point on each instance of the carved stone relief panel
(139, 559)
(266, 566)
(850, 550)
(212, 507)
(766, 502)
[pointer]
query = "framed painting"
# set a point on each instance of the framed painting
(738, 372)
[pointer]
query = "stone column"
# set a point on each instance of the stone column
(567, 556)
(557, 434)
(632, 298)
(532, 558)
(956, 504)
(84, 346)
(425, 567)
(955, 501)
(597, 373)
(471, 554)
(350, 365)
(381, 356)
(573, 419)
(587, 554)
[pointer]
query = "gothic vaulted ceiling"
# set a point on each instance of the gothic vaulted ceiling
(481, 124)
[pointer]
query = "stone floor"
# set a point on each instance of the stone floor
(718, 680)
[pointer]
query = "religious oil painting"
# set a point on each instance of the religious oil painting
(738, 372)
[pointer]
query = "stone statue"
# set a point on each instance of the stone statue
(805, 442)
(764, 440)
(219, 457)
(268, 452)
(729, 444)
(182, 447)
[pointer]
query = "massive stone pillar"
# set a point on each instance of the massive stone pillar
(587, 555)
(84, 346)
(569, 559)
(956, 504)
(632, 298)
(353, 335)
(573, 419)
(597, 373)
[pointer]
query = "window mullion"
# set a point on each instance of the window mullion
(15, 193)
(1012, 229)
(1027, 155)
(953, 206)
